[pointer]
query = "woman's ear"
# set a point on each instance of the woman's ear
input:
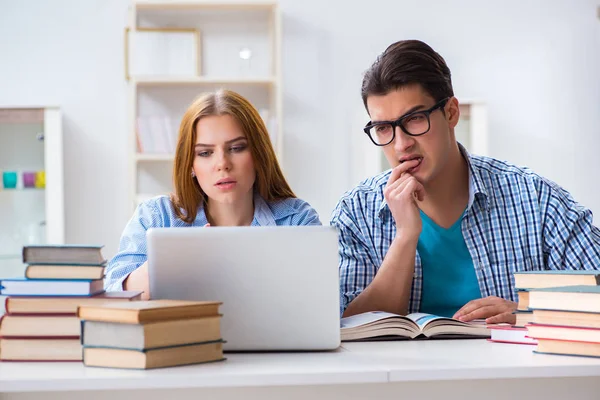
(193, 174)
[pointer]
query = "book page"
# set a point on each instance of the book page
(365, 318)
(422, 319)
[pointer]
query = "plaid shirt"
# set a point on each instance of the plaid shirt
(158, 212)
(515, 221)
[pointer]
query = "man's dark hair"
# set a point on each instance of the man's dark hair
(405, 63)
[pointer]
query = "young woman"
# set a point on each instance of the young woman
(225, 174)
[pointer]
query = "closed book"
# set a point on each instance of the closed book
(39, 326)
(568, 348)
(566, 298)
(151, 335)
(50, 287)
(546, 279)
(41, 271)
(567, 318)
(570, 333)
(63, 254)
(523, 304)
(12, 349)
(155, 358)
(142, 312)
(510, 334)
(64, 304)
(523, 318)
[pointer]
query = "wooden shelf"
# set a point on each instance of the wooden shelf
(154, 157)
(200, 80)
(199, 4)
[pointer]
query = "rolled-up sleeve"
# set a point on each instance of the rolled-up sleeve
(133, 246)
(356, 264)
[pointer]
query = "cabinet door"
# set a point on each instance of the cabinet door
(31, 183)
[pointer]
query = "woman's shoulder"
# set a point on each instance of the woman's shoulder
(161, 211)
(293, 211)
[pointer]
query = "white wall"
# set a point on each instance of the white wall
(535, 63)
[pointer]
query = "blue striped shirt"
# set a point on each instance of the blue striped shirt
(515, 221)
(159, 212)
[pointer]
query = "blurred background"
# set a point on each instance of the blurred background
(88, 109)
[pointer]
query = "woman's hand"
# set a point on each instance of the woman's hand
(138, 280)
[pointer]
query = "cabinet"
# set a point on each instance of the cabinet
(31, 182)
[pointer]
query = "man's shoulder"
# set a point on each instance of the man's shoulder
(496, 174)
(495, 166)
(493, 171)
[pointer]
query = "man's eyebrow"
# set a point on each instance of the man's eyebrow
(411, 110)
(237, 139)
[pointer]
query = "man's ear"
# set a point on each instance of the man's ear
(452, 111)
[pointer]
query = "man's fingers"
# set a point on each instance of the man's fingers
(505, 317)
(475, 304)
(482, 312)
(467, 308)
(398, 170)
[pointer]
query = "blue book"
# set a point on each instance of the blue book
(545, 279)
(50, 287)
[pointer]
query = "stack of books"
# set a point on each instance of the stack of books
(566, 319)
(151, 334)
(528, 281)
(41, 323)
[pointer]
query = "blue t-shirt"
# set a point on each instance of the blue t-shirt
(449, 280)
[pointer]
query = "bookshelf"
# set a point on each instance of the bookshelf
(238, 48)
(31, 182)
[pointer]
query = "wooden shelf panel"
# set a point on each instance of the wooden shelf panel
(174, 80)
(154, 157)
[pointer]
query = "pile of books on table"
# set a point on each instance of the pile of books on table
(566, 317)
(151, 334)
(41, 321)
(560, 311)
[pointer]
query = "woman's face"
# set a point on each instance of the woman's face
(223, 164)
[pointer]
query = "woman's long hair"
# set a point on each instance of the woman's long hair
(270, 182)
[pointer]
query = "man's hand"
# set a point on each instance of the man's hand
(495, 310)
(401, 194)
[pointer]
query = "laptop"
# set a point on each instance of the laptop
(279, 285)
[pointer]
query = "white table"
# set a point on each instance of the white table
(428, 369)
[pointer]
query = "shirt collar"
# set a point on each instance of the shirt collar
(476, 185)
(262, 214)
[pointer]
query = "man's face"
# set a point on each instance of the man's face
(434, 147)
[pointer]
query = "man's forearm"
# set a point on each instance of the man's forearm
(390, 289)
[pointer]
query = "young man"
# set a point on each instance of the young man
(443, 231)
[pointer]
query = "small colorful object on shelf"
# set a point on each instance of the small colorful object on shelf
(9, 179)
(29, 179)
(40, 179)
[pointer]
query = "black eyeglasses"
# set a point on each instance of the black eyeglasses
(416, 123)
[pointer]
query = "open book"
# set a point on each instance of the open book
(385, 326)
